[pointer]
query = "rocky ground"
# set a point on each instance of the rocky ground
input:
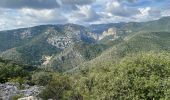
(9, 90)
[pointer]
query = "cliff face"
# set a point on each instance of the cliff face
(110, 32)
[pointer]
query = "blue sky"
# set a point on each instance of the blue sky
(27, 13)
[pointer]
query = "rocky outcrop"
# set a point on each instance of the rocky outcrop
(30, 98)
(93, 35)
(60, 41)
(68, 35)
(110, 32)
(9, 90)
(25, 34)
(46, 60)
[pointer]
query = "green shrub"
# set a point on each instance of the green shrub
(16, 72)
(58, 88)
(41, 78)
(143, 76)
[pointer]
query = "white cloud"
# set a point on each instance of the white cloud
(42, 15)
(166, 12)
(148, 13)
(85, 14)
(30, 17)
(79, 12)
(118, 9)
(145, 11)
(77, 2)
(155, 13)
(36, 4)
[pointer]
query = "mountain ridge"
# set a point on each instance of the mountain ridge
(33, 45)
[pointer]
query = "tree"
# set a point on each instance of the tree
(58, 88)
(41, 78)
(139, 76)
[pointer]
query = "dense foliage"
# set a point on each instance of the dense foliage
(13, 71)
(59, 88)
(140, 76)
(41, 78)
(137, 76)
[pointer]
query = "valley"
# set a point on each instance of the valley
(115, 61)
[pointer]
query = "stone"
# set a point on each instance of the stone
(9, 90)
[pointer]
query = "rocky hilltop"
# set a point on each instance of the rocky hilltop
(10, 90)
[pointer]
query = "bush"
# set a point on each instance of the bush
(58, 88)
(14, 71)
(41, 78)
(140, 76)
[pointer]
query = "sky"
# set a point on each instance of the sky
(26, 13)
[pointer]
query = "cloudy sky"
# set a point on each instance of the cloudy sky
(26, 13)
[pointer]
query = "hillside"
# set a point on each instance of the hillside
(33, 45)
(118, 61)
(14, 71)
(140, 42)
(136, 76)
(65, 47)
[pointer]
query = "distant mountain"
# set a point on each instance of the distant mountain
(140, 42)
(30, 44)
(64, 47)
